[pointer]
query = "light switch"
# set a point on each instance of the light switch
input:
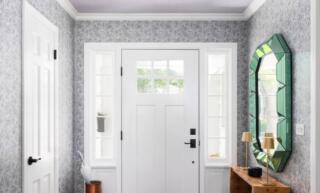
(300, 129)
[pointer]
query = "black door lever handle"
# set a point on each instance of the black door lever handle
(32, 160)
(192, 143)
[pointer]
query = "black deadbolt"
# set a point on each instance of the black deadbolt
(32, 160)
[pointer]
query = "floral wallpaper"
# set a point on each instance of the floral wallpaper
(10, 96)
(154, 31)
(292, 19)
(11, 92)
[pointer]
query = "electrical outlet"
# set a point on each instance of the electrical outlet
(300, 129)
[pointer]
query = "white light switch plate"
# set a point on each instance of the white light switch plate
(300, 129)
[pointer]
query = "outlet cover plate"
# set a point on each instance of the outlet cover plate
(300, 129)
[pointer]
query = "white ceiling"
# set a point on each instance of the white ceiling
(160, 6)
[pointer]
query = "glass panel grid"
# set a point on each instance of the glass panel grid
(216, 105)
(160, 77)
(103, 122)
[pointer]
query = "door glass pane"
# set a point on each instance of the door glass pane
(216, 148)
(160, 86)
(144, 68)
(176, 67)
(176, 86)
(145, 85)
(160, 68)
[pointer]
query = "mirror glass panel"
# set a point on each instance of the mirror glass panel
(268, 87)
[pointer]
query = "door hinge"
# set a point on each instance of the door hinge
(199, 142)
(121, 71)
(55, 54)
(121, 135)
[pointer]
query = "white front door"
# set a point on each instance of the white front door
(160, 119)
(39, 97)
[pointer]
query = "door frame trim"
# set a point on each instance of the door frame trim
(27, 11)
(203, 48)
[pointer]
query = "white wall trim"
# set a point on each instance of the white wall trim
(315, 95)
(252, 8)
(68, 7)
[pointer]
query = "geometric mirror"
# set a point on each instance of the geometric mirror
(270, 101)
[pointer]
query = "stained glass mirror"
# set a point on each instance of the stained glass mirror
(270, 100)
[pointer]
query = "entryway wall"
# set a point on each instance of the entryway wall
(292, 19)
(134, 31)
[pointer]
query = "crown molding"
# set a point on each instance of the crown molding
(69, 8)
(160, 16)
(252, 8)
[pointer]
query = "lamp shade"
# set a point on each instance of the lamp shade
(246, 137)
(268, 143)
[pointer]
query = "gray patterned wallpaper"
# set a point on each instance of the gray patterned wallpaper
(10, 95)
(292, 19)
(154, 31)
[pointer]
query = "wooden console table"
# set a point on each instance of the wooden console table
(241, 182)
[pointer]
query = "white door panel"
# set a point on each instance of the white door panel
(160, 106)
(39, 43)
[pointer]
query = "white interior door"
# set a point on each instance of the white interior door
(39, 98)
(160, 115)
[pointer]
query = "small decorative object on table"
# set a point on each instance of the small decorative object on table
(268, 143)
(247, 138)
(255, 172)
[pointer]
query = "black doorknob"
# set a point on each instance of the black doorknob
(32, 160)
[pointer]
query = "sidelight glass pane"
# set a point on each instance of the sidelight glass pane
(216, 127)
(104, 85)
(104, 63)
(104, 106)
(216, 148)
(104, 126)
(216, 84)
(104, 148)
(216, 106)
(216, 63)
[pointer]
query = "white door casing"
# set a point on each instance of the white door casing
(39, 102)
(157, 123)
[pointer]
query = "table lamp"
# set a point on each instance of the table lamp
(268, 143)
(247, 138)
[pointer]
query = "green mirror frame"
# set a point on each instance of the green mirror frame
(279, 157)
